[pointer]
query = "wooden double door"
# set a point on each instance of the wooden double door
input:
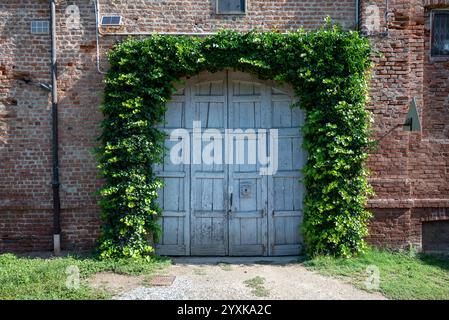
(219, 203)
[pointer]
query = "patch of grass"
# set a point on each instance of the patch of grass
(24, 278)
(402, 275)
(225, 266)
(199, 272)
(257, 284)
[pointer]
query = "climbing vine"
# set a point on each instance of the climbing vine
(328, 70)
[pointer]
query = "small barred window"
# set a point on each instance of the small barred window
(231, 6)
(40, 27)
(440, 33)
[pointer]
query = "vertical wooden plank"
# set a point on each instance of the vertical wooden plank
(267, 222)
(278, 200)
(218, 196)
(188, 180)
(181, 199)
(174, 114)
(246, 115)
(171, 231)
(234, 233)
(198, 231)
(297, 196)
(291, 231)
(277, 114)
(279, 230)
(171, 194)
(206, 194)
(297, 154)
(297, 118)
(288, 194)
(218, 230)
(247, 231)
(215, 119)
(180, 237)
(286, 119)
(285, 151)
(206, 231)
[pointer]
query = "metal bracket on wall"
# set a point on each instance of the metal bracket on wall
(413, 123)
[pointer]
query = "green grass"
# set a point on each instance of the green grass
(257, 284)
(225, 266)
(403, 276)
(35, 278)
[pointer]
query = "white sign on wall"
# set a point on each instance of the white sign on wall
(73, 18)
(372, 19)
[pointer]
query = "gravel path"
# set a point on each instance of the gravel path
(248, 281)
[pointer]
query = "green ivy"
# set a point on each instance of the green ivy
(328, 70)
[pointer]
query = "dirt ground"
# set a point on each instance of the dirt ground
(215, 280)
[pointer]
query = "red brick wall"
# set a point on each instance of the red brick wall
(199, 15)
(409, 170)
(25, 122)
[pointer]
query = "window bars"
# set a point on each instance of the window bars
(440, 33)
(231, 6)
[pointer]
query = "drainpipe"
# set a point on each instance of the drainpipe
(55, 137)
(357, 14)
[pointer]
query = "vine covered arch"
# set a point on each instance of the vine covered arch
(328, 70)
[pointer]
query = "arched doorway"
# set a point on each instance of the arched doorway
(230, 208)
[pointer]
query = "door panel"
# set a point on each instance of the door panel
(174, 197)
(286, 192)
(209, 224)
(247, 220)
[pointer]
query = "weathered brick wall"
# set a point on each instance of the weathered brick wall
(26, 219)
(25, 207)
(199, 15)
(409, 170)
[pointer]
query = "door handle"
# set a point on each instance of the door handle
(230, 204)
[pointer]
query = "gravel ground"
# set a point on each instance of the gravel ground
(290, 281)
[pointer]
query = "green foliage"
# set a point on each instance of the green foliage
(24, 278)
(403, 275)
(328, 71)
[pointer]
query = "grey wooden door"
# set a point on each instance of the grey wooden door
(220, 209)
(208, 195)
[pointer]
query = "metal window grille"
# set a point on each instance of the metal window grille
(231, 6)
(40, 27)
(440, 33)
